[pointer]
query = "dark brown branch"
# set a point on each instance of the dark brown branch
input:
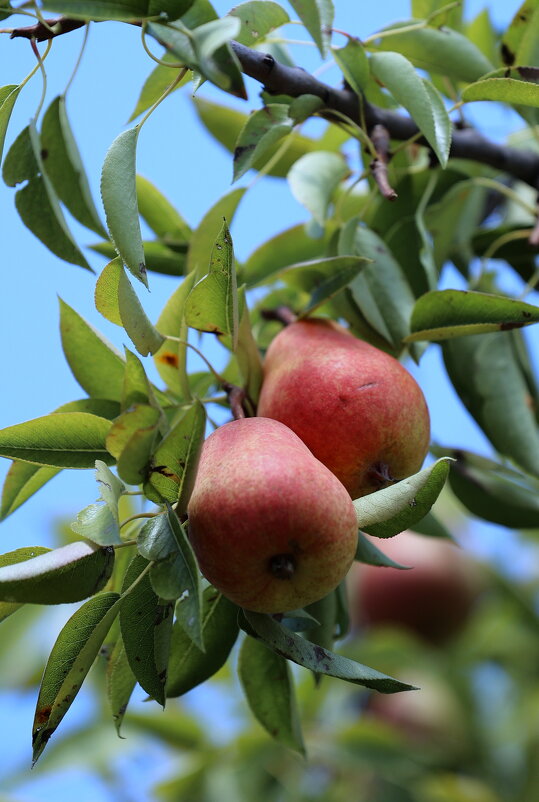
(282, 314)
(278, 78)
(41, 32)
(378, 166)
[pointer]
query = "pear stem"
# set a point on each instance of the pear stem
(283, 314)
(236, 397)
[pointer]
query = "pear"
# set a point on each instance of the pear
(271, 527)
(357, 408)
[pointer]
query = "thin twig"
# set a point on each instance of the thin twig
(283, 314)
(380, 139)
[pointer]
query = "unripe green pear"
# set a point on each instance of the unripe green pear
(357, 408)
(271, 526)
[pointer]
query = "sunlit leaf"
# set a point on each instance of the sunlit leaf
(313, 180)
(257, 19)
(8, 96)
(503, 90)
(317, 16)
(204, 236)
(131, 440)
(394, 509)
(171, 359)
(353, 63)
(100, 522)
(120, 682)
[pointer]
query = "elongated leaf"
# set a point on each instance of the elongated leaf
(394, 509)
(494, 492)
(367, 552)
(247, 352)
(177, 577)
(174, 463)
(189, 666)
(119, 195)
(155, 540)
(212, 304)
(317, 16)
(204, 236)
(22, 481)
(380, 291)
(71, 658)
(453, 313)
(141, 615)
(503, 90)
(155, 84)
(268, 685)
(171, 359)
(263, 129)
(215, 59)
(61, 440)
(324, 631)
(313, 180)
(486, 374)
(353, 63)
(11, 558)
(318, 659)
(408, 89)
(164, 220)
(257, 19)
(95, 363)
(100, 522)
(438, 50)
(225, 124)
(8, 96)
(159, 258)
(517, 30)
(131, 439)
(64, 166)
(287, 248)
(145, 337)
(120, 683)
(347, 269)
(67, 574)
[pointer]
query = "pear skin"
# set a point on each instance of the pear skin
(357, 408)
(272, 528)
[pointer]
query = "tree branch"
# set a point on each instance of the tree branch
(277, 78)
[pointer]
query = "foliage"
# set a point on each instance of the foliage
(378, 233)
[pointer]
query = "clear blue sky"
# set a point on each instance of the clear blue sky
(193, 171)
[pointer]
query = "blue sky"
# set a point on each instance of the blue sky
(185, 163)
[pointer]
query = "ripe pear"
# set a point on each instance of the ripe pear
(434, 599)
(271, 526)
(357, 408)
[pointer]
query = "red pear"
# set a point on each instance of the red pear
(272, 528)
(434, 599)
(357, 408)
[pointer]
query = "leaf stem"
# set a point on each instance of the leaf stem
(165, 94)
(137, 516)
(79, 59)
(154, 58)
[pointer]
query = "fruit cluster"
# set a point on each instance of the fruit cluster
(271, 518)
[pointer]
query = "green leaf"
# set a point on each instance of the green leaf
(189, 666)
(324, 611)
(212, 304)
(517, 32)
(174, 463)
(317, 16)
(156, 83)
(142, 333)
(131, 440)
(22, 481)
(141, 617)
(408, 89)
(258, 18)
(137, 388)
(318, 659)
(12, 557)
(454, 313)
(314, 178)
(367, 552)
(119, 195)
(155, 540)
(203, 238)
(61, 440)
(164, 220)
(247, 353)
(171, 359)
(380, 291)
(37, 202)
(127, 10)
(214, 56)
(494, 492)
(226, 124)
(72, 655)
(177, 577)
(394, 509)
(346, 270)
(95, 363)
(438, 50)
(63, 165)
(8, 96)
(268, 685)
(503, 90)
(353, 63)
(486, 373)
(67, 574)
(120, 683)
(286, 248)
(106, 291)
(159, 258)
(100, 522)
(262, 130)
